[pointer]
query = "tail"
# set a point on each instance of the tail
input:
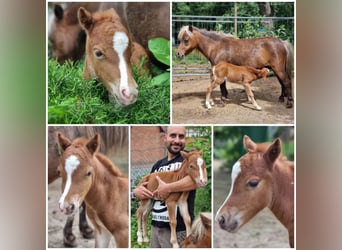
(289, 59)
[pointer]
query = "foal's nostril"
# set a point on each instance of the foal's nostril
(72, 207)
(222, 221)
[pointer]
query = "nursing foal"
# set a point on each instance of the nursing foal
(237, 74)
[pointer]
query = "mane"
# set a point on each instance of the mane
(215, 35)
(209, 33)
(183, 30)
(197, 228)
(107, 15)
(109, 165)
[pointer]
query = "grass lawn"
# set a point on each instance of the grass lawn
(71, 100)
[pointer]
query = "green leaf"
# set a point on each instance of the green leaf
(160, 47)
(162, 79)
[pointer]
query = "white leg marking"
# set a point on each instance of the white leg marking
(71, 164)
(235, 172)
(120, 44)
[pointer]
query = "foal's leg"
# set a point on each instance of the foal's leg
(142, 214)
(86, 230)
(208, 99)
(183, 209)
(251, 95)
(69, 238)
(102, 237)
(172, 210)
(146, 212)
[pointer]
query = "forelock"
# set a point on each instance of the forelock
(184, 30)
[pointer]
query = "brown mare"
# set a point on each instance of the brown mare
(267, 52)
(90, 176)
(200, 236)
(192, 165)
(238, 74)
(260, 178)
(114, 144)
(65, 33)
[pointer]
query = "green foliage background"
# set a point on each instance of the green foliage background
(228, 142)
(251, 28)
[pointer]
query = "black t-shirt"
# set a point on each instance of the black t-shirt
(160, 217)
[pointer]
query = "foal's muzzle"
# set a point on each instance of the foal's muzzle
(180, 55)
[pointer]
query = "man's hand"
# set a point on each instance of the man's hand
(142, 193)
(163, 191)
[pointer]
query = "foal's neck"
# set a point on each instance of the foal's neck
(282, 204)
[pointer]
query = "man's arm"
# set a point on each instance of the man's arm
(141, 192)
(164, 189)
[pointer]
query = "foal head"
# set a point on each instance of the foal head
(108, 52)
(195, 167)
(77, 170)
(251, 186)
(187, 41)
(200, 236)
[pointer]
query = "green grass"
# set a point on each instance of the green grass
(71, 100)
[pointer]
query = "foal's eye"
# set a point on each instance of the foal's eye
(253, 183)
(88, 173)
(98, 54)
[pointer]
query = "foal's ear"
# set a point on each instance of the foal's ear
(206, 221)
(63, 141)
(94, 144)
(190, 27)
(248, 144)
(84, 18)
(184, 154)
(59, 12)
(273, 151)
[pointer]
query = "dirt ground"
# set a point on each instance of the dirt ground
(188, 103)
(263, 231)
(56, 221)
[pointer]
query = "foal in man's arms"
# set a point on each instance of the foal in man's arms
(237, 74)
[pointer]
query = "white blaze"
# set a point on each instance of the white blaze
(235, 172)
(200, 163)
(120, 44)
(71, 164)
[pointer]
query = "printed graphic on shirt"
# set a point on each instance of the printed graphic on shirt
(170, 167)
(159, 211)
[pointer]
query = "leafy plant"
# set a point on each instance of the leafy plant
(160, 48)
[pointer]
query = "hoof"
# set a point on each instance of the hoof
(281, 99)
(224, 98)
(70, 240)
(87, 232)
(289, 105)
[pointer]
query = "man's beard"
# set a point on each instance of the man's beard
(176, 151)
